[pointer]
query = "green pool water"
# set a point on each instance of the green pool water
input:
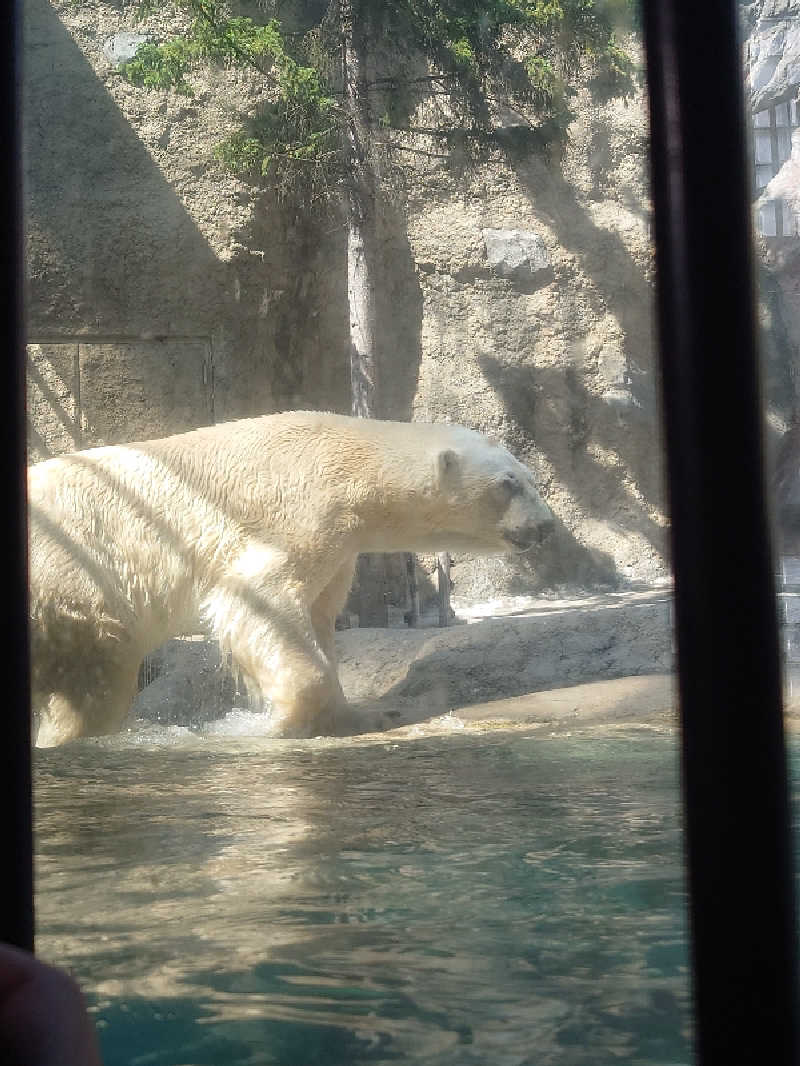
(494, 899)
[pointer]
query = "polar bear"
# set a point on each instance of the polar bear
(254, 526)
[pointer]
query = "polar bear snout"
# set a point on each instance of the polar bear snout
(531, 534)
(528, 521)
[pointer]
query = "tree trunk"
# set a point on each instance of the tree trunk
(361, 242)
(443, 582)
(413, 590)
(373, 609)
(363, 375)
(361, 245)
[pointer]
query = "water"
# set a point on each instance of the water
(493, 899)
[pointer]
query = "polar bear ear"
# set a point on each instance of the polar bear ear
(447, 465)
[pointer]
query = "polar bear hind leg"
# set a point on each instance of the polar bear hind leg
(89, 698)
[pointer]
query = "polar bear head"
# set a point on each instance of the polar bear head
(491, 502)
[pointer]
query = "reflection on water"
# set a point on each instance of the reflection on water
(471, 899)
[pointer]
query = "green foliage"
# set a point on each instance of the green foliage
(545, 85)
(299, 126)
(216, 38)
(462, 54)
(243, 154)
(162, 66)
(526, 53)
(614, 74)
(283, 137)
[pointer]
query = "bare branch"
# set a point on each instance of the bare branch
(414, 151)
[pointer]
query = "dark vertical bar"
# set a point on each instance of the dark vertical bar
(16, 880)
(734, 760)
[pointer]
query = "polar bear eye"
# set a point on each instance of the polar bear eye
(510, 484)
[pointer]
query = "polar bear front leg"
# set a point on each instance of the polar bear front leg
(258, 615)
(328, 605)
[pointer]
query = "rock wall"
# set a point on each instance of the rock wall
(145, 305)
(554, 356)
(514, 296)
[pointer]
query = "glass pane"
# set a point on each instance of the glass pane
(777, 245)
(764, 175)
(784, 142)
(356, 740)
(763, 143)
(767, 219)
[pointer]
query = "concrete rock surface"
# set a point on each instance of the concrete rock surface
(502, 650)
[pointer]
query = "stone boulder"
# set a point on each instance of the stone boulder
(516, 253)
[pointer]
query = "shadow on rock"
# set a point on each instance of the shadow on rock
(620, 484)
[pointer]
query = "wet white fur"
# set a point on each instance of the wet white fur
(254, 525)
